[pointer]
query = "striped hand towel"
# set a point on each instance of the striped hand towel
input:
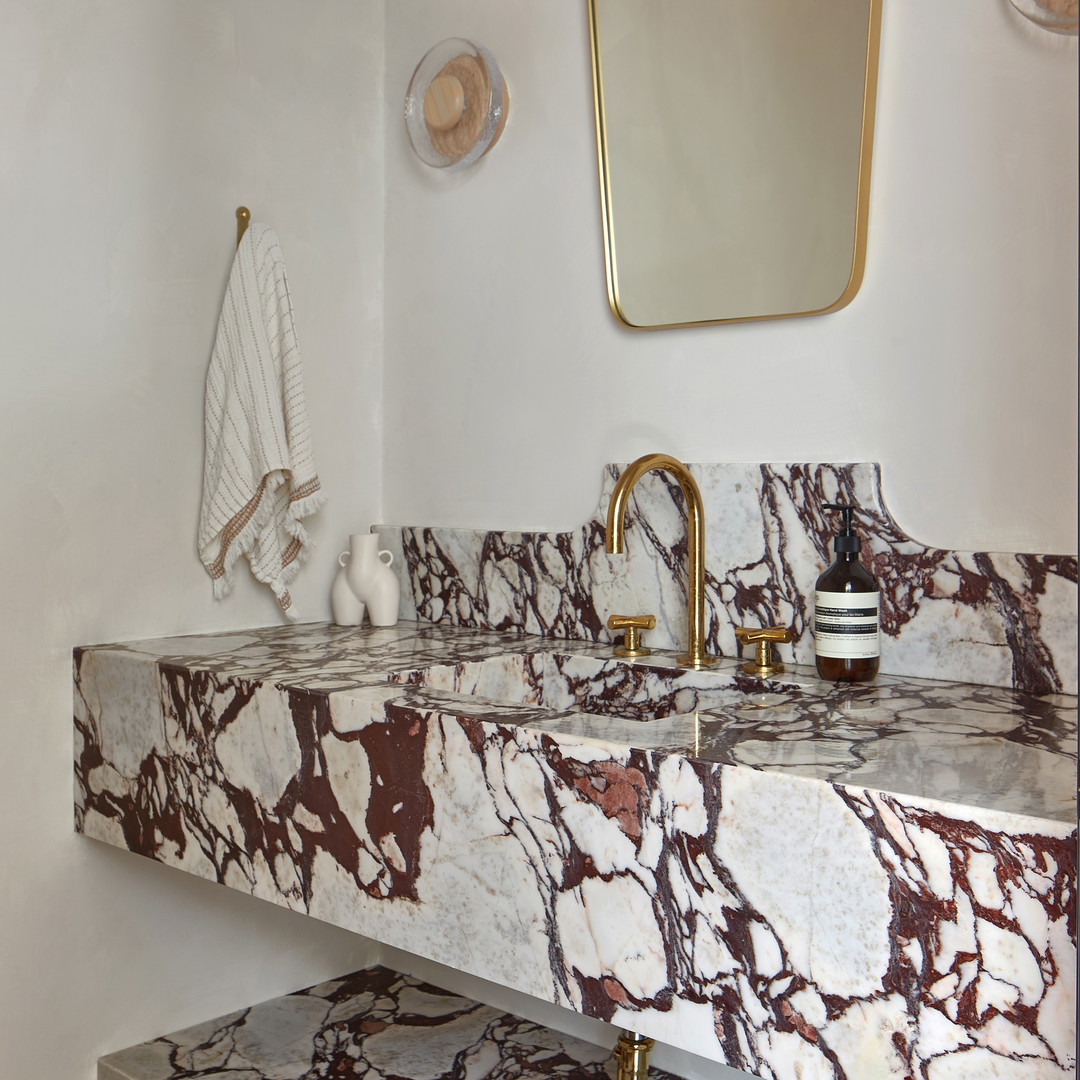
(259, 478)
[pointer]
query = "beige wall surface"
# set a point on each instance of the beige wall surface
(129, 133)
(462, 368)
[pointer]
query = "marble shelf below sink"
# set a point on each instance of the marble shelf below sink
(373, 1023)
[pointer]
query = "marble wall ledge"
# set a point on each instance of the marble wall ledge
(373, 1024)
(732, 884)
(993, 618)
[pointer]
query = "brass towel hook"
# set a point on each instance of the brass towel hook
(243, 219)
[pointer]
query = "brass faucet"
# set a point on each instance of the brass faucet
(696, 656)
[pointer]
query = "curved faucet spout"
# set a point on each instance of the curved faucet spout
(695, 549)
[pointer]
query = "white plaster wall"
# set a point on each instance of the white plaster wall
(129, 132)
(509, 384)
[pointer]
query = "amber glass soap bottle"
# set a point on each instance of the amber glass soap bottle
(846, 609)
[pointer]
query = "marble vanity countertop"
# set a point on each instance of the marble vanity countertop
(789, 877)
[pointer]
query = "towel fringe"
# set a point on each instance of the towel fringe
(242, 543)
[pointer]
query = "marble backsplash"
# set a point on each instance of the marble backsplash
(1000, 619)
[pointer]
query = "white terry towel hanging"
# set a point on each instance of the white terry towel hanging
(259, 478)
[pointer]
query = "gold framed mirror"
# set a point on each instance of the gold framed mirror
(734, 141)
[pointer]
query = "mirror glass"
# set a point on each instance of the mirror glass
(734, 139)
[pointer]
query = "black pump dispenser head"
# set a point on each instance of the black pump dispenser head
(846, 540)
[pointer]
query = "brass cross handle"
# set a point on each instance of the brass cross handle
(763, 664)
(633, 625)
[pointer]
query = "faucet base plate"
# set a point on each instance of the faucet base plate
(621, 650)
(696, 662)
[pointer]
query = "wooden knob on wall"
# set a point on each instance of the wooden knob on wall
(456, 104)
(444, 103)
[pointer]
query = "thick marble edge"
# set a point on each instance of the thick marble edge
(978, 747)
(324, 656)
(393, 1025)
(766, 921)
(994, 618)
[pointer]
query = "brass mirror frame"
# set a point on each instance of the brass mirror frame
(866, 142)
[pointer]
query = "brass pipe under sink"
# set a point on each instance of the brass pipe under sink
(631, 1054)
(695, 657)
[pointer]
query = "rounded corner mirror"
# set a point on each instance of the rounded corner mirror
(734, 145)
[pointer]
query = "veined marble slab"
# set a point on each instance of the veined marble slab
(990, 618)
(373, 1024)
(792, 879)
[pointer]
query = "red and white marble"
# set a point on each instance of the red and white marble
(372, 1024)
(1000, 619)
(788, 877)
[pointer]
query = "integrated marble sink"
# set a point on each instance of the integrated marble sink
(565, 683)
(952, 742)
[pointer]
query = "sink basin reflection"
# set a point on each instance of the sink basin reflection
(583, 684)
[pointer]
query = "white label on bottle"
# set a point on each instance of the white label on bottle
(846, 625)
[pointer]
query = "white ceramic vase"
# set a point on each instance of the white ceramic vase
(346, 607)
(370, 579)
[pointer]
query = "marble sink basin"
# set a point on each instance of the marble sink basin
(562, 683)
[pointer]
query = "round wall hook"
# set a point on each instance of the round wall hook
(456, 104)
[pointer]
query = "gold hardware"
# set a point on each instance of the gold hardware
(695, 657)
(763, 664)
(631, 1054)
(243, 219)
(633, 625)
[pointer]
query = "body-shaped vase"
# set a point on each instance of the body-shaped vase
(346, 608)
(372, 583)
